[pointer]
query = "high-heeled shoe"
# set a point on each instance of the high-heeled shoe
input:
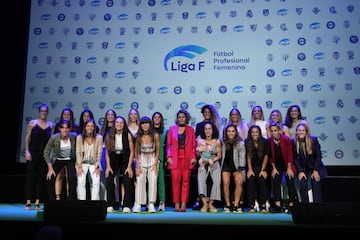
(177, 207)
(205, 206)
(183, 207)
(212, 208)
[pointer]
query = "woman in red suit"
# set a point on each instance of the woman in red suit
(181, 158)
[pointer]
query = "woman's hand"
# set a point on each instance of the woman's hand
(315, 175)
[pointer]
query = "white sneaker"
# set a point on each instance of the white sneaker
(227, 209)
(151, 208)
(110, 209)
(256, 207)
(137, 208)
(267, 206)
(162, 206)
(126, 210)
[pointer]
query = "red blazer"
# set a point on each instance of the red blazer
(286, 151)
(172, 146)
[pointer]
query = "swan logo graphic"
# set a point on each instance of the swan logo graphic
(187, 51)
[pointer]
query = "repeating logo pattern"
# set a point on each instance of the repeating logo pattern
(171, 54)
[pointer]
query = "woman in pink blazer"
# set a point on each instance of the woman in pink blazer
(181, 158)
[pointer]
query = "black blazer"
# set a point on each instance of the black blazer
(310, 162)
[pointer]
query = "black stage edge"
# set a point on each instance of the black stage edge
(75, 211)
(336, 213)
(165, 231)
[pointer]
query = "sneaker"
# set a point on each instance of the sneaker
(289, 209)
(277, 209)
(267, 206)
(137, 208)
(162, 207)
(126, 210)
(264, 208)
(227, 209)
(256, 207)
(110, 209)
(151, 208)
(237, 209)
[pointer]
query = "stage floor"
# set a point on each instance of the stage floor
(30, 221)
(17, 212)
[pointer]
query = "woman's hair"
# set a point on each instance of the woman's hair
(288, 121)
(138, 115)
(110, 137)
(252, 120)
(64, 122)
(187, 115)
(307, 141)
(229, 143)
(83, 133)
(145, 119)
(274, 124)
(141, 132)
(215, 117)
(104, 127)
(237, 111)
(215, 131)
(162, 125)
(71, 121)
(280, 117)
(81, 120)
(43, 106)
(250, 143)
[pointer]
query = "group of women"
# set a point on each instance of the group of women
(125, 160)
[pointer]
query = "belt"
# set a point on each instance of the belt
(119, 151)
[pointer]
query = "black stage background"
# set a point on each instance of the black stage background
(341, 188)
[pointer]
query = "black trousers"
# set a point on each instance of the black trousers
(70, 166)
(118, 165)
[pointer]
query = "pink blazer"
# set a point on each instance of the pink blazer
(172, 146)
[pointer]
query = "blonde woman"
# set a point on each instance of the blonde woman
(276, 116)
(308, 162)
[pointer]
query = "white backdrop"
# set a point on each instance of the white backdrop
(166, 55)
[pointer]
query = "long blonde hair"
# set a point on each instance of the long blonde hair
(307, 149)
